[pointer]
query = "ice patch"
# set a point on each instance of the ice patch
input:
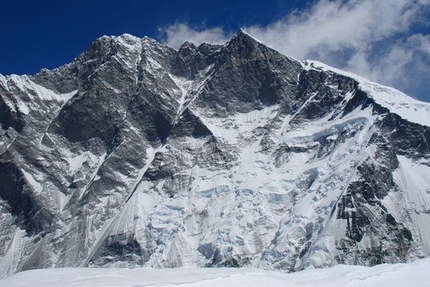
(414, 181)
(9, 261)
(37, 187)
(240, 125)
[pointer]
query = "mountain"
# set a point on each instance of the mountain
(135, 154)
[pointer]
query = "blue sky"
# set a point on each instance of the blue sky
(387, 41)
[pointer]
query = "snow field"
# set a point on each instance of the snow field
(397, 275)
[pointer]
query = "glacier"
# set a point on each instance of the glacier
(135, 154)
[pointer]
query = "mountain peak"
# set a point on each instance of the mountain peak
(187, 46)
(243, 35)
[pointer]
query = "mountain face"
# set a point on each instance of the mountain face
(136, 154)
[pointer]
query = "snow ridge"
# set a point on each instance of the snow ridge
(397, 102)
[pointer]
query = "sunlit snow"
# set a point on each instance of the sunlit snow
(412, 274)
(397, 102)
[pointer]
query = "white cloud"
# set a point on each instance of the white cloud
(345, 34)
(333, 25)
(372, 38)
(406, 65)
(178, 33)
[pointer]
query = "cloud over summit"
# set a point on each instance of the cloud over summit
(381, 40)
(177, 34)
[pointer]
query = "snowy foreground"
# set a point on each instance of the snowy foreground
(413, 274)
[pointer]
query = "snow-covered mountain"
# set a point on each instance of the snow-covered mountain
(136, 154)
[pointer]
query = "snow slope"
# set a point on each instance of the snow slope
(397, 102)
(396, 275)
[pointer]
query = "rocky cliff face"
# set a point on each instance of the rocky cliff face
(136, 154)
